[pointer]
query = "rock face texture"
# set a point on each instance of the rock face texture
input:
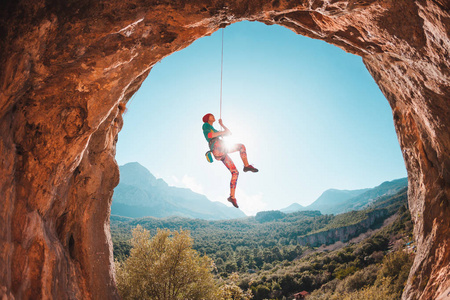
(345, 233)
(67, 68)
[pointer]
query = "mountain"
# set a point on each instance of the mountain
(332, 198)
(293, 208)
(387, 188)
(334, 201)
(140, 194)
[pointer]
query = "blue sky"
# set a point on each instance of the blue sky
(310, 115)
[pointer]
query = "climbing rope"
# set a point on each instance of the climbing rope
(132, 97)
(221, 78)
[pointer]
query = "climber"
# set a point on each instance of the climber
(220, 152)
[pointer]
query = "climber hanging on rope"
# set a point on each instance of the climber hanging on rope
(220, 152)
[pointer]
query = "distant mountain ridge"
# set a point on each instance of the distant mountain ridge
(335, 201)
(293, 208)
(140, 194)
(387, 188)
(332, 198)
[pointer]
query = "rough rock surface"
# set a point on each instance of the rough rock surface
(344, 233)
(66, 65)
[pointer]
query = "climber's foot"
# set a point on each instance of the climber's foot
(250, 168)
(233, 201)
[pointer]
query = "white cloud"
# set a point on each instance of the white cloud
(250, 204)
(174, 181)
(192, 184)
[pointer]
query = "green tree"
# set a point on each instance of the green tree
(261, 291)
(165, 267)
(231, 267)
(231, 291)
(396, 267)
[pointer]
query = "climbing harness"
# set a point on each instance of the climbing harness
(208, 154)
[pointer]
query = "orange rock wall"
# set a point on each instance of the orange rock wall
(65, 66)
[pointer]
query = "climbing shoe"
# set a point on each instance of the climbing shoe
(233, 201)
(250, 168)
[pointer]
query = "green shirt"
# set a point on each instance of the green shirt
(207, 128)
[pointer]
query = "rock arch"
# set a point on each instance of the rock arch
(67, 65)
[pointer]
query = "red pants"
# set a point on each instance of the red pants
(220, 153)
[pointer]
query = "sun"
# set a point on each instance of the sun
(228, 143)
(242, 133)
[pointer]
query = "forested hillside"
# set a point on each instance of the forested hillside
(265, 250)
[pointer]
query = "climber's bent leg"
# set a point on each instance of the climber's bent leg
(242, 152)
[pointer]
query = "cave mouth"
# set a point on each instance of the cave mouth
(276, 83)
(68, 69)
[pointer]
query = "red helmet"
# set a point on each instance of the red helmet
(206, 118)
